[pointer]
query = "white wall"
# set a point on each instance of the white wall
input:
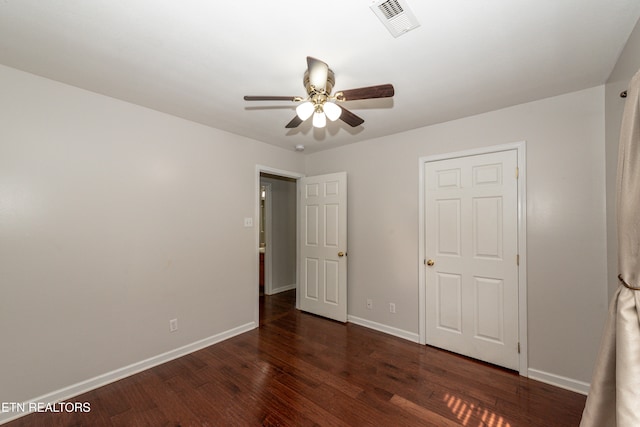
(114, 219)
(565, 213)
(628, 64)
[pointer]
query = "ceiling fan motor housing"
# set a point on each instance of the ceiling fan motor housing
(331, 81)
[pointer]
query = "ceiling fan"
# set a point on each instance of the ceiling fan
(319, 103)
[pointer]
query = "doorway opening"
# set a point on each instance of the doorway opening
(276, 239)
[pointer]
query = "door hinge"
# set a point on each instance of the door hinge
(518, 259)
(517, 172)
(518, 348)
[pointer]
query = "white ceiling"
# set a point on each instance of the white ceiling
(197, 58)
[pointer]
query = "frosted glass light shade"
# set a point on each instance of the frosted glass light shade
(305, 110)
(332, 111)
(319, 120)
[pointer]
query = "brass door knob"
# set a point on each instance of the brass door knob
(430, 263)
(341, 254)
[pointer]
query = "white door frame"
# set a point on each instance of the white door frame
(520, 148)
(256, 291)
(267, 232)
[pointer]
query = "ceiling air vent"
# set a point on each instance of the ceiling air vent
(395, 15)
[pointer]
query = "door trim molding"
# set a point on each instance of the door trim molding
(520, 148)
(256, 245)
(268, 244)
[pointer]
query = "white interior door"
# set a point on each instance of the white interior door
(471, 225)
(323, 245)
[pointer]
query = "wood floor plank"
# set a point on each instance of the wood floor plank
(424, 414)
(302, 370)
(278, 356)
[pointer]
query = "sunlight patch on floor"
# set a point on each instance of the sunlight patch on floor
(422, 412)
(468, 413)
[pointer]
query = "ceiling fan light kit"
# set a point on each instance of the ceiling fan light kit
(319, 80)
(319, 119)
(332, 111)
(305, 110)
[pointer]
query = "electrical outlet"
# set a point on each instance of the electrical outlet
(369, 304)
(248, 222)
(392, 307)
(173, 325)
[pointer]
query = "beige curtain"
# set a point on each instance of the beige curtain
(614, 397)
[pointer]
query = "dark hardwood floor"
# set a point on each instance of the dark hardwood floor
(302, 370)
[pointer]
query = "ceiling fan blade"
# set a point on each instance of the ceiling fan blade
(294, 123)
(369, 92)
(349, 118)
(318, 73)
(271, 98)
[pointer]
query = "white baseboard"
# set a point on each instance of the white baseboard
(118, 374)
(282, 289)
(559, 381)
(384, 328)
